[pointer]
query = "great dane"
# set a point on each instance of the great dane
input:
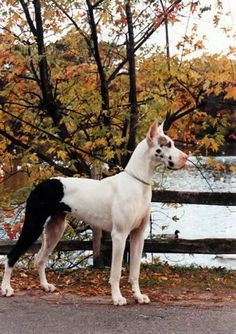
(119, 204)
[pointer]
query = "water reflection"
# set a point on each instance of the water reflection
(197, 221)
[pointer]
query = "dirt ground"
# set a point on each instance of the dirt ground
(162, 284)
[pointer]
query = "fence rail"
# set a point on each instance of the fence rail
(207, 198)
(196, 246)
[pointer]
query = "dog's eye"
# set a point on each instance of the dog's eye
(169, 145)
(158, 150)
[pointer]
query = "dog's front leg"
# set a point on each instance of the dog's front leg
(118, 246)
(136, 248)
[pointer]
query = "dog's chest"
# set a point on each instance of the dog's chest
(140, 211)
(132, 206)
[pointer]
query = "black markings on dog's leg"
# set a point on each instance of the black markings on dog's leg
(35, 217)
(43, 202)
(32, 229)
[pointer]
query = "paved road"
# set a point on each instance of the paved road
(26, 314)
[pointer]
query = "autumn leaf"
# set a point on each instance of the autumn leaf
(216, 20)
(231, 92)
(62, 155)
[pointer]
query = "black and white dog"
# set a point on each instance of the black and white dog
(119, 204)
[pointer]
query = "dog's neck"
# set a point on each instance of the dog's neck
(140, 165)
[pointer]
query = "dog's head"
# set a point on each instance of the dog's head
(162, 148)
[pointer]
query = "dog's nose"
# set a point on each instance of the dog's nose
(184, 158)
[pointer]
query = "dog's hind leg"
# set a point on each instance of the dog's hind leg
(136, 248)
(32, 229)
(6, 285)
(52, 233)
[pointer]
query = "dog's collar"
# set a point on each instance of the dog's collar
(138, 179)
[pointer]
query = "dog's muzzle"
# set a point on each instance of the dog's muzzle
(180, 164)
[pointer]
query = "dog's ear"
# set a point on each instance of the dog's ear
(161, 127)
(152, 134)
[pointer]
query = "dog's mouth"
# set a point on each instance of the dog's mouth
(173, 166)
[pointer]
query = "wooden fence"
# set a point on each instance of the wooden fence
(196, 246)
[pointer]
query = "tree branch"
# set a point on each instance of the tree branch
(28, 18)
(50, 161)
(167, 37)
(97, 3)
(162, 17)
(171, 118)
(83, 34)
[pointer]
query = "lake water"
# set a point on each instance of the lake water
(197, 221)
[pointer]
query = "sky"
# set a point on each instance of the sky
(215, 40)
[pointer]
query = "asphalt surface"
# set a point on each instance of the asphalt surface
(71, 315)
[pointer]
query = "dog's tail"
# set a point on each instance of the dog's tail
(35, 218)
(43, 202)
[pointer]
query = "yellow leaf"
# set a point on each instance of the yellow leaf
(51, 150)
(62, 155)
(34, 158)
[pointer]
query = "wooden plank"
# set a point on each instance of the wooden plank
(196, 246)
(64, 245)
(207, 198)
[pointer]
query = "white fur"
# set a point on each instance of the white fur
(6, 286)
(119, 204)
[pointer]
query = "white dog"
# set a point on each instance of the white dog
(119, 204)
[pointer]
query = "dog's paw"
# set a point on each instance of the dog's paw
(7, 291)
(48, 287)
(119, 301)
(142, 299)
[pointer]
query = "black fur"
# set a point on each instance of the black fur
(43, 202)
(50, 193)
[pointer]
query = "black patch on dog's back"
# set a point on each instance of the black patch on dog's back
(50, 190)
(49, 193)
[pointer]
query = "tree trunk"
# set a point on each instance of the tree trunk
(132, 80)
(105, 114)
